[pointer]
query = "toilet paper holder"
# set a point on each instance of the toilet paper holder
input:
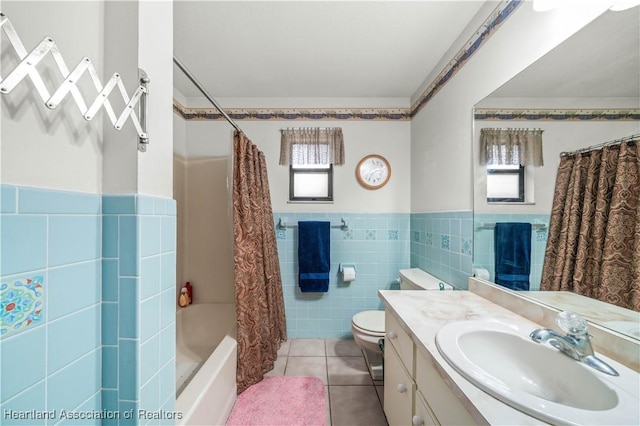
(347, 265)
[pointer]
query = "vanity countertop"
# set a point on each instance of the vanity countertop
(423, 313)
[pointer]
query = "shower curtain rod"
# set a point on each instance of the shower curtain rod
(204, 92)
(602, 145)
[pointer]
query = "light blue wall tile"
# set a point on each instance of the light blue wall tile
(36, 200)
(110, 236)
(8, 199)
(109, 323)
(149, 317)
(168, 407)
(168, 271)
(127, 372)
(150, 396)
(128, 246)
(127, 407)
(128, 308)
(118, 204)
(149, 276)
(74, 239)
(90, 406)
(73, 287)
(72, 337)
(150, 234)
(160, 206)
(167, 344)
(167, 307)
(110, 367)
(167, 376)
(22, 362)
(109, 280)
(146, 205)
(149, 358)
(69, 387)
(168, 234)
(172, 208)
(110, 404)
(31, 399)
(24, 244)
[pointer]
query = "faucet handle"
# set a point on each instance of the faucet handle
(572, 323)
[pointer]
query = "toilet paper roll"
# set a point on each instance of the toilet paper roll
(481, 273)
(348, 274)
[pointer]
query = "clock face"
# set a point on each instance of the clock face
(373, 171)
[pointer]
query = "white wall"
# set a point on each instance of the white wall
(389, 139)
(45, 148)
(441, 133)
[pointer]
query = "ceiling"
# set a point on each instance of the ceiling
(600, 61)
(378, 49)
(314, 49)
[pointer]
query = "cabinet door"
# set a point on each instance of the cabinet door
(402, 343)
(398, 390)
(423, 415)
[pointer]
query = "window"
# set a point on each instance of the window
(311, 182)
(505, 183)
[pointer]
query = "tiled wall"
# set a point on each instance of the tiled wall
(484, 242)
(50, 289)
(378, 245)
(442, 244)
(87, 305)
(138, 298)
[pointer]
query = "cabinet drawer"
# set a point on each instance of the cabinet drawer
(398, 390)
(446, 406)
(423, 415)
(399, 339)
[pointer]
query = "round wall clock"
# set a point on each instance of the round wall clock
(373, 171)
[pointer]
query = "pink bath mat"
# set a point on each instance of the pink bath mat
(281, 401)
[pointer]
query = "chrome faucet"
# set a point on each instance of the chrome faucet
(575, 344)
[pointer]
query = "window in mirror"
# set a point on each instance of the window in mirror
(311, 182)
(505, 184)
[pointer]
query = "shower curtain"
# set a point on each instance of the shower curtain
(259, 299)
(593, 247)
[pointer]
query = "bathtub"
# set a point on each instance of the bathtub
(206, 357)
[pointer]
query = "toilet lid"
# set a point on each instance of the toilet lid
(370, 321)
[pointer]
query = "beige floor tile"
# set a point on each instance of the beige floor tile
(278, 367)
(284, 348)
(348, 370)
(355, 406)
(307, 347)
(328, 406)
(342, 347)
(313, 366)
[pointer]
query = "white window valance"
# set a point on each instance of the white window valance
(511, 147)
(312, 145)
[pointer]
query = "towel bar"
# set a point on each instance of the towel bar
(282, 225)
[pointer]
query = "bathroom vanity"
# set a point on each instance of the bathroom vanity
(422, 388)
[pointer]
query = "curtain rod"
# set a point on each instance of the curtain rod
(631, 138)
(204, 92)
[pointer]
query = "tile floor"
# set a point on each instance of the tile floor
(352, 397)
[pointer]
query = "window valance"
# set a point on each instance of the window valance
(511, 147)
(312, 145)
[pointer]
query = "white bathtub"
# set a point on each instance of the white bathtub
(206, 357)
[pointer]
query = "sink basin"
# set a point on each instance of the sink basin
(537, 379)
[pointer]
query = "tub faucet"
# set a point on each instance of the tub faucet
(575, 344)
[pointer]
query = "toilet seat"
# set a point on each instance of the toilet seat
(371, 322)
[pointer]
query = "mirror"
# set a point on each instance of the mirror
(580, 95)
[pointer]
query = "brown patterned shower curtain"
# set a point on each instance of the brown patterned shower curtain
(259, 300)
(593, 247)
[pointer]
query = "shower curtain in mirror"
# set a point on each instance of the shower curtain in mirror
(259, 299)
(594, 233)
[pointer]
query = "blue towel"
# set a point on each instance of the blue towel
(513, 254)
(314, 256)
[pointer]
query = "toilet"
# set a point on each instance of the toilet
(367, 327)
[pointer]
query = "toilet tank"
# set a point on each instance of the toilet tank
(417, 279)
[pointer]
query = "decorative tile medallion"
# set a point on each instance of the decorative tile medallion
(428, 239)
(416, 236)
(445, 242)
(348, 234)
(466, 246)
(392, 234)
(281, 234)
(21, 304)
(370, 234)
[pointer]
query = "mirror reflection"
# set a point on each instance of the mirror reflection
(584, 93)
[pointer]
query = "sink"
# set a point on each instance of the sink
(537, 379)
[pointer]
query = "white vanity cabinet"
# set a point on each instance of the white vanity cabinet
(414, 392)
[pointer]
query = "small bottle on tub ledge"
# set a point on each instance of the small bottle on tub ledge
(183, 300)
(189, 291)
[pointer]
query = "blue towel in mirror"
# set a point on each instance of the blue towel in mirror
(513, 254)
(314, 256)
